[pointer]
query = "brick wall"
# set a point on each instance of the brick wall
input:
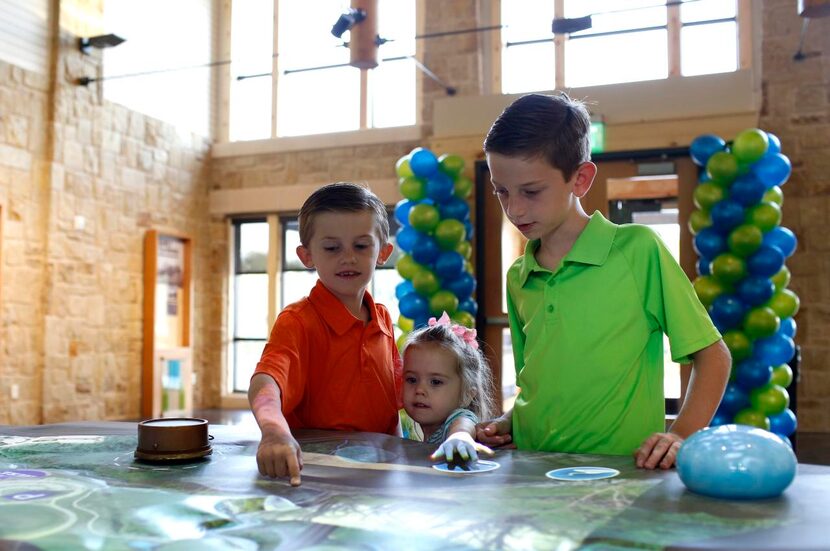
(797, 109)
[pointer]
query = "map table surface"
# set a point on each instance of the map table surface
(77, 486)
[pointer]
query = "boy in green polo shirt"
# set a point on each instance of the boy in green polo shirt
(588, 304)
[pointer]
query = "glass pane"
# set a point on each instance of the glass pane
(396, 23)
(253, 247)
(383, 290)
(392, 79)
(526, 20)
(291, 238)
(316, 102)
(707, 49)
(251, 306)
(616, 58)
(304, 34)
(613, 15)
(296, 285)
(528, 68)
(706, 10)
(251, 53)
(246, 354)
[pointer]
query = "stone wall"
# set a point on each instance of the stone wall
(797, 109)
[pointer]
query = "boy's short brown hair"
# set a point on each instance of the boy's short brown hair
(555, 128)
(342, 197)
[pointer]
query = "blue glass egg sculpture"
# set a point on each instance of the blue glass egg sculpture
(736, 462)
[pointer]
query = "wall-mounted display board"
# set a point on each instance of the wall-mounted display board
(166, 379)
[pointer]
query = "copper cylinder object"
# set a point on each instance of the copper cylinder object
(363, 48)
(172, 439)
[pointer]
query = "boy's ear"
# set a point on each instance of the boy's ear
(305, 256)
(583, 178)
(385, 253)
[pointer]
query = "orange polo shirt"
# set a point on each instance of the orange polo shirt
(333, 371)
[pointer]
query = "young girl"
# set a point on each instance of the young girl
(445, 389)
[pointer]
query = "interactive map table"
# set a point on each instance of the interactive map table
(77, 486)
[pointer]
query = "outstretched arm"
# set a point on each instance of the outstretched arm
(278, 454)
(710, 373)
(460, 448)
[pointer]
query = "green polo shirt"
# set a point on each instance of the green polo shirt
(588, 339)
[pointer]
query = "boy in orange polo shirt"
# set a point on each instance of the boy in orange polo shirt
(331, 360)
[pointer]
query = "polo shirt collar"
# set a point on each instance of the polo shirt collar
(338, 317)
(591, 247)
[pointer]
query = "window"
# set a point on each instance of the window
(250, 301)
(316, 90)
(627, 42)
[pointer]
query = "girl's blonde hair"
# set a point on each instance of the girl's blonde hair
(476, 379)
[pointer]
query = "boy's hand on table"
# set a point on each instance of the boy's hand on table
(496, 432)
(459, 449)
(279, 456)
(659, 450)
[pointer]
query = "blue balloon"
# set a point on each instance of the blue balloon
(402, 209)
(704, 266)
(423, 162)
(414, 306)
(425, 250)
(752, 373)
(469, 227)
(747, 190)
(720, 418)
(734, 399)
(775, 350)
(765, 262)
(455, 208)
(787, 328)
(736, 462)
(461, 286)
(727, 311)
(406, 237)
(774, 144)
(420, 321)
(440, 187)
(755, 290)
(773, 169)
(703, 177)
(709, 243)
(782, 239)
(727, 215)
(449, 265)
(469, 305)
(783, 423)
(704, 147)
(403, 288)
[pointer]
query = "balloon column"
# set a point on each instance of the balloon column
(742, 279)
(435, 236)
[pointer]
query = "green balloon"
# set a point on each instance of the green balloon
(413, 188)
(463, 187)
(424, 217)
(451, 164)
(745, 239)
(465, 249)
(426, 282)
(761, 322)
(698, 220)
(728, 268)
(443, 301)
(738, 344)
(766, 215)
(408, 267)
(708, 289)
(722, 167)
(781, 279)
(750, 145)
(708, 194)
(401, 340)
(785, 303)
(752, 418)
(782, 376)
(402, 167)
(449, 233)
(774, 195)
(406, 324)
(770, 399)
(462, 317)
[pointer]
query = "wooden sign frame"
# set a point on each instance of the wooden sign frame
(167, 267)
